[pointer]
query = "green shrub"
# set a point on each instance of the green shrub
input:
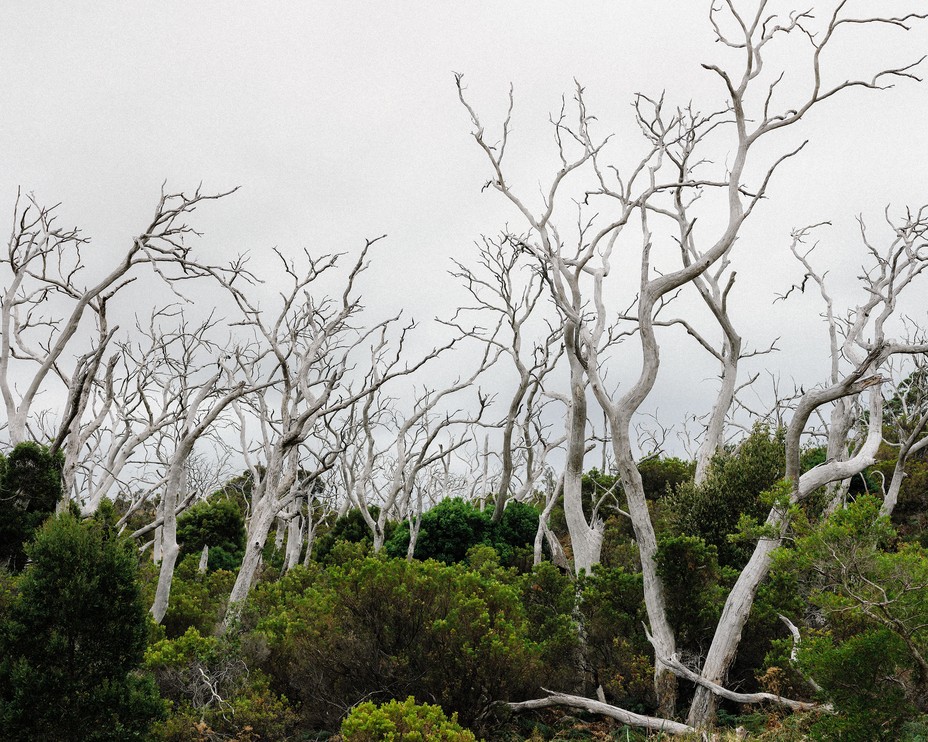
(74, 638)
(617, 653)
(383, 628)
(217, 524)
(30, 487)
(453, 526)
(856, 675)
(350, 528)
(732, 490)
(689, 569)
(213, 692)
(402, 720)
(198, 599)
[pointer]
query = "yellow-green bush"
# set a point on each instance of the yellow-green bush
(402, 721)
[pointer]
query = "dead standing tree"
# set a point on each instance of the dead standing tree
(304, 358)
(499, 291)
(45, 306)
(644, 194)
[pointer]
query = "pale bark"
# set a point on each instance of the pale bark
(46, 261)
(202, 407)
(295, 530)
(740, 600)
(598, 707)
(586, 539)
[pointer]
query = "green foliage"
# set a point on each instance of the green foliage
(384, 628)
(856, 674)
(548, 597)
(446, 532)
(617, 653)
(453, 526)
(30, 487)
(198, 599)
(402, 720)
(73, 639)
(214, 694)
(662, 476)
(351, 527)
(514, 532)
(733, 490)
(689, 569)
(870, 591)
(218, 524)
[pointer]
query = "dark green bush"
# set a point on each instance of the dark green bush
(30, 487)
(74, 638)
(214, 694)
(617, 654)
(351, 527)
(734, 488)
(452, 527)
(218, 524)
(386, 628)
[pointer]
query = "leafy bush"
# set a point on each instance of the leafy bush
(689, 569)
(74, 637)
(402, 720)
(198, 599)
(733, 490)
(383, 628)
(856, 674)
(214, 693)
(661, 476)
(30, 487)
(453, 526)
(617, 653)
(351, 527)
(217, 524)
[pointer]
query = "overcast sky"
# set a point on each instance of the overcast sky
(339, 120)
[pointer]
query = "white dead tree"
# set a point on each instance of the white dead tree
(507, 287)
(642, 201)
(45, 306)
(134, 406)
(202, 404)
(865, 349)
(893, 268)
(414, 441)
(907, 418)
(304, 351)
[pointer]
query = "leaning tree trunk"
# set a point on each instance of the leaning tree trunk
(294, 538)
(259, 526)
(740, 600)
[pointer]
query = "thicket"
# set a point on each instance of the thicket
(344, 645)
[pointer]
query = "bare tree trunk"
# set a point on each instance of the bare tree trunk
(204, 560)
(715, 430)
(740, 600)
(169, 546)
(259, 526)
(586, 539)
(294, 537)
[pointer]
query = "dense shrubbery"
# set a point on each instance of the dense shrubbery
(733, 491)
(468, 622)
(73, 637)
(217, 524)
(380, 628)
(452, 527)
(30, 487)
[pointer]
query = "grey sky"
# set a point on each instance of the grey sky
(339, 120)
